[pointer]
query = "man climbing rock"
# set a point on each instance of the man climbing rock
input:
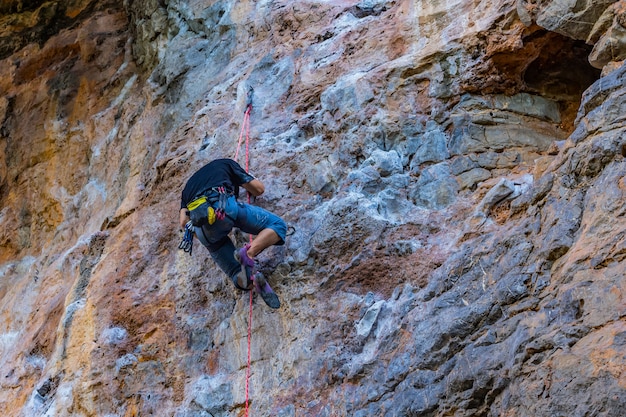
(209, 209)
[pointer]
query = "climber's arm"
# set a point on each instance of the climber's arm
(254, 187)
(183, 217)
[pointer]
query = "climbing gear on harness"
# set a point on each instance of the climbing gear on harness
(220, 213)
(201, 210)
(187, 243)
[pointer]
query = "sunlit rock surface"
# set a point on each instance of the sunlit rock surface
(453, 172)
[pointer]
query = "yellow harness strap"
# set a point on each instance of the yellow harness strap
(197, 203)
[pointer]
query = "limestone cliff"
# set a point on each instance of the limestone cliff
(454, 173)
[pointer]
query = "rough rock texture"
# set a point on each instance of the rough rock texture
(454, 172)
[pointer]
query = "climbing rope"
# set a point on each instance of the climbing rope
(249, 350)
(245, 126)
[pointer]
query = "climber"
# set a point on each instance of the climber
(209, 209)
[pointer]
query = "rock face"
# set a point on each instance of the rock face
(454, 173)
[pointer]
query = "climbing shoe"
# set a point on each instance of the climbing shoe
(244, 278)
(243, 283)
(262, 287)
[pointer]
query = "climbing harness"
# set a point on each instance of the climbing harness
(209, 207)
(201, 212)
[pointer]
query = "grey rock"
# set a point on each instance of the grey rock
(432, 148)
(436, 188)
(365, 325)
(504, 190)
(386, 163)
(572, 20)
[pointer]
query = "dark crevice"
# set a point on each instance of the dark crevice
(549, 65)
(360, 12)
(52, 17)
(561, 70)
(20, 6)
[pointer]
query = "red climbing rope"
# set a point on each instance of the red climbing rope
(249, 350)
(245, 126)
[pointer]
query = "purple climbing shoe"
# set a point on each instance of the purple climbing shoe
(245, 277)
(267, 293)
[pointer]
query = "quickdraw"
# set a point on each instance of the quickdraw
(220, 212)
(187, 243)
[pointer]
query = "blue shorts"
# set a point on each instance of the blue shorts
(249, 219)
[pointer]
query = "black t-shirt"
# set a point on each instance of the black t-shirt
(218, 173)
